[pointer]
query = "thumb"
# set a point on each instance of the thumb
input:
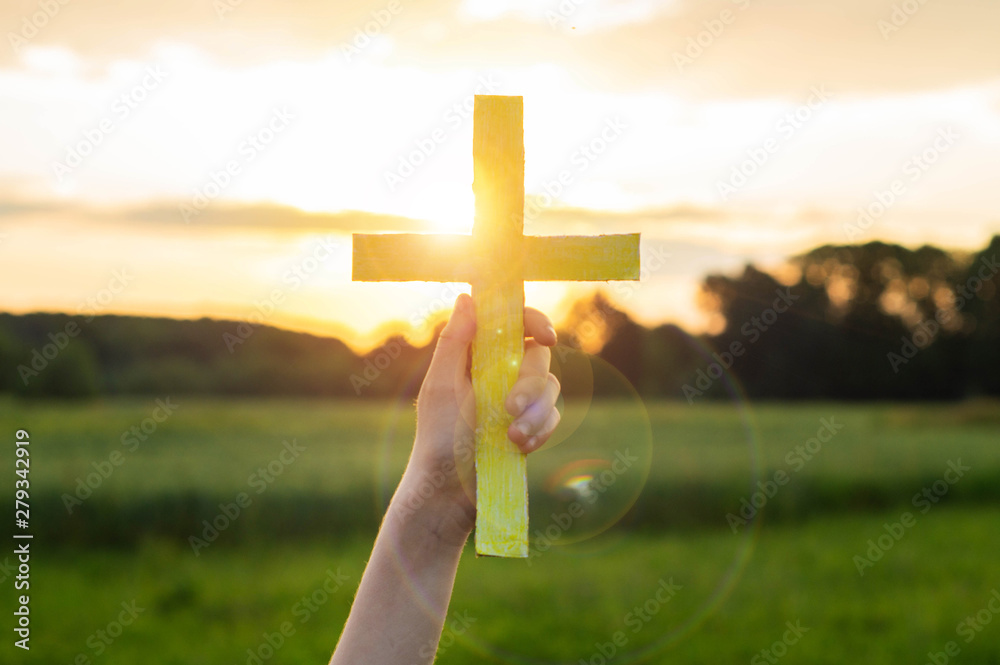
(452, 353)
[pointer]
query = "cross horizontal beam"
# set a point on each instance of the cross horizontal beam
(496, 260)
(414, 257)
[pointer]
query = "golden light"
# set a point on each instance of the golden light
(455, 213)
(445, 208)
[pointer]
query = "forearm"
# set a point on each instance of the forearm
(403, 597)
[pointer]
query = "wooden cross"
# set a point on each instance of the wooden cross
(497, 259)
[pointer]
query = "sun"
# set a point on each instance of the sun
(452, 213)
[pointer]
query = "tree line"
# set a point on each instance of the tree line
(871, 321)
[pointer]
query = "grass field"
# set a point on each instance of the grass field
(664, 520)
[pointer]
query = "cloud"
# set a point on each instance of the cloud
(12, 208)
(278, 217)
(729, 227)
(674, 225)
(772, 47)
(562, 217)
(764, 47)
(266, 217)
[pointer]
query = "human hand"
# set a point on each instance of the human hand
(438, 486)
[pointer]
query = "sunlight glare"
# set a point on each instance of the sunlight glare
(445, 209)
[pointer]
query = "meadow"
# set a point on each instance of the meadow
(660, 568)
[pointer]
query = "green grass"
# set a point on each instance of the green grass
(211, 609)
(128, 541)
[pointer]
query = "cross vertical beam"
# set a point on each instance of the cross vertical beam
(497, 259)
(498, 295)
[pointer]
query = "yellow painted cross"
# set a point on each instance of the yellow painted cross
(497, 259)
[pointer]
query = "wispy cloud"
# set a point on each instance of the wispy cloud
(267, 217)
(768, 48)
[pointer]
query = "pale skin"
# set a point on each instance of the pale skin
(402, 601)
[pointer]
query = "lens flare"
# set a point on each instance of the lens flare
(586, 486)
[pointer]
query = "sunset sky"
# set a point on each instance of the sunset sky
(197, 156)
